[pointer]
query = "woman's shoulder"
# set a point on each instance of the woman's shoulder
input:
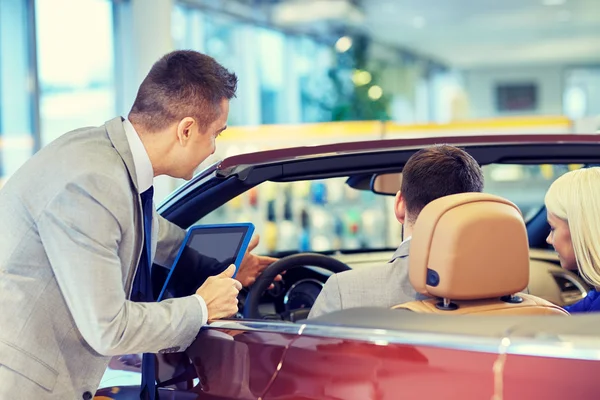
(590, 303)
(594, 296)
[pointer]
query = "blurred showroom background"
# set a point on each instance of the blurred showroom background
(311, 71)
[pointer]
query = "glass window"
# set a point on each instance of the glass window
(16, 90)
(188, 28)
(75, 63)
(319, 215)
(582, 92)
(313, 64)
(329, 215)
(524, 185)
(271, 48)
(284, 78)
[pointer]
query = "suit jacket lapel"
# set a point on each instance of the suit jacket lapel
(118, 137)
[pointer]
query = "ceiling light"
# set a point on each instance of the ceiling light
(551, 3)
(375, 92)
(361, 78)
(343, 44)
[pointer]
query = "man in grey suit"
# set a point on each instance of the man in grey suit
(429, 174)
(77, 243)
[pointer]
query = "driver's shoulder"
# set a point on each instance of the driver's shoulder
(365, 275)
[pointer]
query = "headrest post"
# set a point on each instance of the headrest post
(446, 305)
(513, 299)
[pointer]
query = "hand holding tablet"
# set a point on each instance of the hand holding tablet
(220, 294)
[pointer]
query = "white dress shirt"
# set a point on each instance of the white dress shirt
(145, 178)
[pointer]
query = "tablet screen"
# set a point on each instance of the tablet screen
(205, 247)
(222, 244)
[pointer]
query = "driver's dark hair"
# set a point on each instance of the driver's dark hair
(183, 83)
(435, 172)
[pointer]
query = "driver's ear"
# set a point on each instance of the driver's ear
(400, 207)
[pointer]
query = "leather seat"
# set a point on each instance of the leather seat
(469, 253)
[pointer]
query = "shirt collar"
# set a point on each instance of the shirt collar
(143, 167)
(402, 250)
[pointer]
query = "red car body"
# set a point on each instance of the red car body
(379, 353)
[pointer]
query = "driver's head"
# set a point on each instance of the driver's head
(432, 173)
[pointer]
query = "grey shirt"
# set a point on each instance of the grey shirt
(382, 286)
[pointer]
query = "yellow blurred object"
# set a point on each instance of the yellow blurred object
(236, 203)
(297, 132)
(300, 190)
(270, 236)
(361, 78)
(481, 125)
(573, 167)
(269, 190)
(547, 171)
(287, 135)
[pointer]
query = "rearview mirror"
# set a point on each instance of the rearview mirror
(386, 184)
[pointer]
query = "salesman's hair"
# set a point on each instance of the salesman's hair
(575, 198)
(435, 172)
(181, 84)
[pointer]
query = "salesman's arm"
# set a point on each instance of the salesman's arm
(81, 229)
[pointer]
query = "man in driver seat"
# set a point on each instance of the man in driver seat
(429, 174)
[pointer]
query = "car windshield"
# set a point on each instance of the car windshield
(327, 215)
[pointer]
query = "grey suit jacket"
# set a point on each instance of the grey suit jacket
(381, 286)
(70, 240)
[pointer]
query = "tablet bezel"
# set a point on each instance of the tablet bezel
(247, 236)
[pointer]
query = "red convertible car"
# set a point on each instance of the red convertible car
(271, 351)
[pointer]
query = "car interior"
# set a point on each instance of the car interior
(306, 272)
(293, 197)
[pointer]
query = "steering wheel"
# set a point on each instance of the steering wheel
(268, 275)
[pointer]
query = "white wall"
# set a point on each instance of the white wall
(480, 85)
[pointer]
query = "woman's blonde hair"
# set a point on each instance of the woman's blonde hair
(575, 198)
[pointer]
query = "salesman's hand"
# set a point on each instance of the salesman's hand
(220, 294)
(252, 265)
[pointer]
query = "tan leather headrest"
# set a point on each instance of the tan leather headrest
(469, 246)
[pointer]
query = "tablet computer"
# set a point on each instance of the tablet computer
(224, 244)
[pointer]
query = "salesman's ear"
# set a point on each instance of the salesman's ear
(400, 207)
(184, 130)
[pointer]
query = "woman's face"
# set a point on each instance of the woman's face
(560, 239)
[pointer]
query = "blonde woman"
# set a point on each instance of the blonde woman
(573, 206)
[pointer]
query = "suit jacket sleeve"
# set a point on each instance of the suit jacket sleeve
(80, 229)
(329, 300)
(170, 238)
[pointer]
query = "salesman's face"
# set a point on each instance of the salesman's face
(202, 142)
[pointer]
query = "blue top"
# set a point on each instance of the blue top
(591, 303)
